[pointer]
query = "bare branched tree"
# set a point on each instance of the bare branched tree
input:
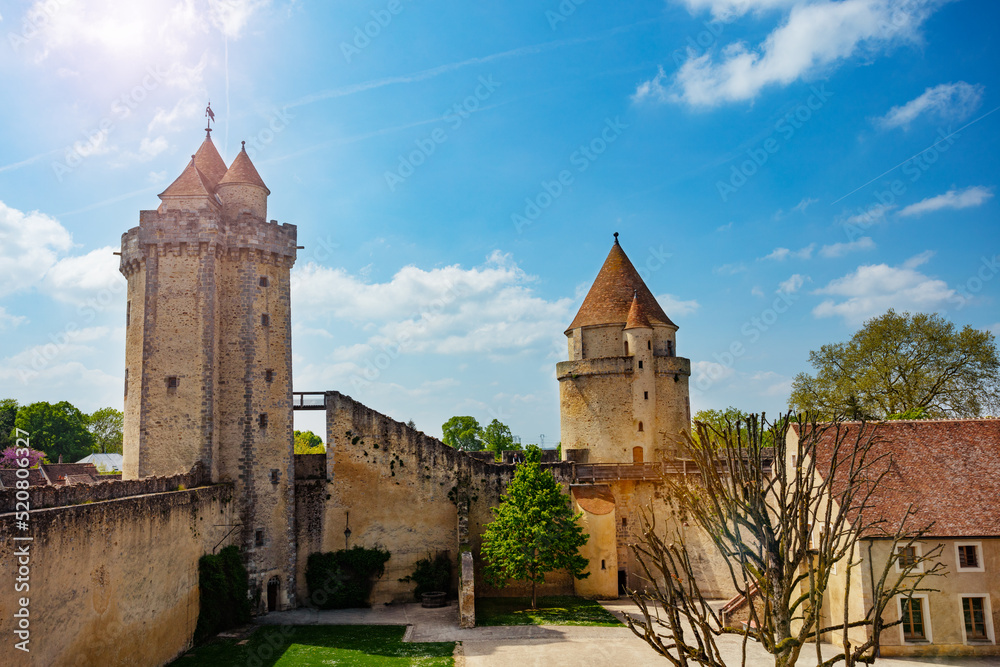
(789, 515)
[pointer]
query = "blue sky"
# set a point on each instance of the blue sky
(779, 171)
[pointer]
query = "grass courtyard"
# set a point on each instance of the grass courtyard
(301, 645)
(552, 610)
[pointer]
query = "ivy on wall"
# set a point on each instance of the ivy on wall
(223, 583)
(344, 579)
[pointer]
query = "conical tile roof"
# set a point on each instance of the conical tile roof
(610, 297)
(210, 163)
(637, 316)
(191, 183)
(243, 171)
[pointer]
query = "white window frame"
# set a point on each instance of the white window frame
(925, 611)
(918, 550)
(987, 612)
(979, 556)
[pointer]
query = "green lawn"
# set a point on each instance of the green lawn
(320, 645)
(554, 610)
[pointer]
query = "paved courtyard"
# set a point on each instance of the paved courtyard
(549, 645)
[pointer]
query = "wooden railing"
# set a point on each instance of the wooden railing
(308, 400)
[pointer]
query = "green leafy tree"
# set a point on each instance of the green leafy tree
(56, 429)
(8, 412)
(307, 442)
(497, 438)
(534, 530)
(900, 362)
(106, 425)
(463, 433)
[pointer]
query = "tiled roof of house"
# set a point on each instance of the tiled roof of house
(610, 297)
(8, 477)
(948, 470)
(60, 473)
(243, 171)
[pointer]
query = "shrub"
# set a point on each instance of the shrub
(344, 579)
(431, 575)
(224, 584)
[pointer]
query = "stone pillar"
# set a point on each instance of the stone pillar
(467, 592)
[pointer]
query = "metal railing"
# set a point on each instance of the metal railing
(308, 400)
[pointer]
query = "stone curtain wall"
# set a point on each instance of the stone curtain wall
(112, 582)
(399, 489)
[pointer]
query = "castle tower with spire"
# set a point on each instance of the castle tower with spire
(623, 393)
(208, 361)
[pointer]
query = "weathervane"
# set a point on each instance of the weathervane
(210, 115)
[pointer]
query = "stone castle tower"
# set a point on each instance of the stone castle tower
(623, 394)
(208, 365)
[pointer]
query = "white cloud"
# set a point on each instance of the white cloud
(757, 291)
(724, 228)
(812, 37)
(730, 269)
(781, 254)
(8, 321)
(673, 305)
(706, 373)
(183, 111)
(93, 276)
(793, 284)
(447, 310)
(948, 101)
(728, 9)
(804, 204)
(872, 215)
(841, 249)
(954, 199)
(29, 247)
(874, 288)
(232, 16)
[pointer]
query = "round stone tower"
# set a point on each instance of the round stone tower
(623, 394)
(208, 376)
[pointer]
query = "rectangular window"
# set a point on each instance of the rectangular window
(969, 556)
(172, 382)
(268, 375)
(912, 611)
(274, 475)
(640, 364)
(263, 281)
(265, 320)
(909, 556)
(645, 395)
(126, 382)
(128, 313)
(262, 420)
(974, 612)
(258, 538)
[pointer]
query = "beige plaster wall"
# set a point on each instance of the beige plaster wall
(112, 582)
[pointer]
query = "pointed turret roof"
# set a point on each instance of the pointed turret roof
(191, 183)
(610, 298)
(243, 171)
(637, 315)
(210, 163)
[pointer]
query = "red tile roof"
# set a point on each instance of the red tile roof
(610, 297)
(210, 163)
(637, 316)
(191, 183)
(949, 470)
(243, 171)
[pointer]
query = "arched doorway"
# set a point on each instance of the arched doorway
(272, 593)
(637, 455)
